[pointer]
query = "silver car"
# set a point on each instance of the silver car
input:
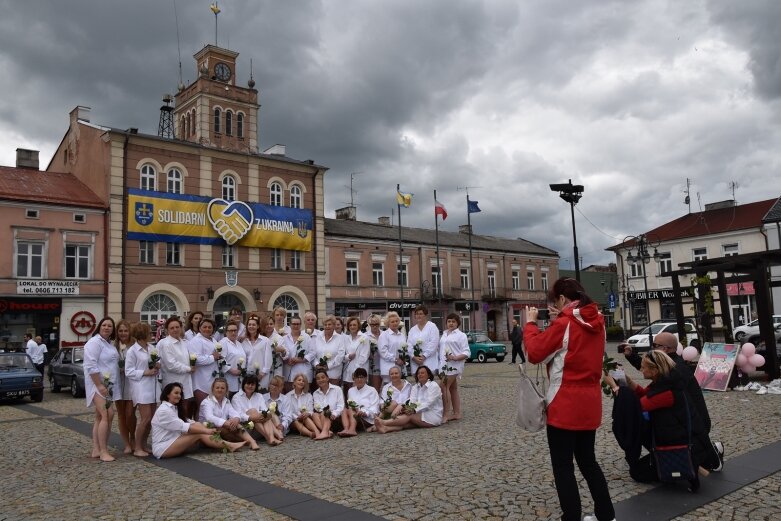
(740, 333)
(67, 370)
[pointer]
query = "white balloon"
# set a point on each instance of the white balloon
(679, 350)
(690, 353)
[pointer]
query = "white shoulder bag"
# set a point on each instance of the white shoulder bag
(531, 415)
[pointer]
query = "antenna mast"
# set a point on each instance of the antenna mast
(733, 185)
(178, 47)
(216, 10)
(688, 200)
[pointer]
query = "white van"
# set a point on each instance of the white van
(639, 342)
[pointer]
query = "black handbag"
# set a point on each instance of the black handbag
(674, 462)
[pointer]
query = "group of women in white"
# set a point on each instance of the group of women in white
(269, 376)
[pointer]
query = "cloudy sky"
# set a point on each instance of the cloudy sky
(627, 98)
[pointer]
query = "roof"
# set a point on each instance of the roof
(774, 214)
(40, 187)
(381, 232)
(709, 222)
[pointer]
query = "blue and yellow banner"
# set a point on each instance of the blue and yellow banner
(193, 219)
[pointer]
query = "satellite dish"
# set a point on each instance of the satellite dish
(687, 200)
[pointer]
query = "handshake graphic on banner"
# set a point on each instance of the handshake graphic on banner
(232, 220)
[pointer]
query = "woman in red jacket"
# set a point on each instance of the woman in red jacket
(572, 348)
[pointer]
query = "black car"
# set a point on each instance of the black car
(67, 370)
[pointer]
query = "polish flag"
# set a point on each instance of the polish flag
(439, 209)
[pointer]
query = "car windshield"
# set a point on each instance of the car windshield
(480, 337)
(655, 328)
(78, 355)
(15, 361)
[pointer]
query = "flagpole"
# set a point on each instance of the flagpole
(400, 264)
(471, 265)
(436, 234)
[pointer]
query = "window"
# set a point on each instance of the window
(186, 126)
(730, 250)
(31, 214)
(228, 123)
(295, 260)
(148, 178)
(516, 280)
(665, 262)
(530, 279)
(228, 188)
(228, 256)
(378, 274)
(352, 273)
(295, 196)
(174, 181)
(240, 125)
(465, 324)
(157, 307)
(464, 278)
(192, 129)
(275, 194)
(79, 218)
(29, 259)
(436, 279)
(635, 270)
(699, 254)
(544, 281)
(77, 261)
(146, 252)
(289, 303)
(217, 115)
(173, 252)
(402, 275)
(492, 283)
(276, 259)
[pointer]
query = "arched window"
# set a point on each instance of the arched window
(157, 306)
(188, 125)
(223, 305)
(148, 178)
(192, 129)
(182, 127)
(228, 188)
(240, 124)
(276, 194)
(174, 181)
(228, 123)
(289, 303)
(295, 197)
(217, 114)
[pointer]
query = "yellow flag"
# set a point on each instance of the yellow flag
(403, 199)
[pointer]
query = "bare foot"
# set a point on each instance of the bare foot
(128, 450)
(233, 447)
(95, 453)
(254, 446)
(381, 428)
(106, 457)
(372, 429)
(445, 419)
(140, 453)
(455, 417)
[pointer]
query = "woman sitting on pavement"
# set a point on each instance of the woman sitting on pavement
(279, 404)
(217, 410)
(363, 405)
(393, 395)
(424, 408)
(251, 403)
(303, 406)
(173, 436)
(664, 400)
(328, 404)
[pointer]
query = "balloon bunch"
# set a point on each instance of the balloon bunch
(688, 353)
(748, 360)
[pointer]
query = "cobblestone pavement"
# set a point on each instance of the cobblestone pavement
(481, 467)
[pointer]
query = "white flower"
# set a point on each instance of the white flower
(193, 357)
(404, 345)
(303, 409)
(300, 339)
(106, 375)
(256, 366)
(218, 347)
(153, 352)
(419, 343)
(241, 361)
(328, 356)
(272, 407)
(250, 425)
(447, 350)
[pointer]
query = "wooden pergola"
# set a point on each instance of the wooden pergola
(748, 267)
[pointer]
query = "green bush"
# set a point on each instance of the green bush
(615, 333)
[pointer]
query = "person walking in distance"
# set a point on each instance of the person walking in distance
(516, 338)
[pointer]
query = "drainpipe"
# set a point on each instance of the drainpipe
(123, 284)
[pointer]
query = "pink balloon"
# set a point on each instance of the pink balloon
(757, 360)
(748, 368)
(741, 360)
(748, 349)
(690, 353)
(679, 350)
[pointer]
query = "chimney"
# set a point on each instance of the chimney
(27, 158)
(276, 150)
(385, 221)
(81, 113)
(729, 203)
(346, 214)
(465, 228)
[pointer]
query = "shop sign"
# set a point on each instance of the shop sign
(396, 305)
(83, 323)
(47, 287)
(466, 306)
(20, 305)
(656, 294)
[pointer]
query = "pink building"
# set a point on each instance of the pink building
(53, 272)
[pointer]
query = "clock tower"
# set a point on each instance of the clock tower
(213, 111)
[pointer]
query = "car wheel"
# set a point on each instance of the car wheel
(481, 357)
(500, 359)
(740, 335)
(75, 391)
(53, 384)
(37, 397)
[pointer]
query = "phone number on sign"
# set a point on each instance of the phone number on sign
(48, 291)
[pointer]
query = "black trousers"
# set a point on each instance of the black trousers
(564, 445)
(518, 351)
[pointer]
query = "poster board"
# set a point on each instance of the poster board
(717, 360)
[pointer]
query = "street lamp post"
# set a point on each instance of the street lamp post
(641, 243)
(572, 194)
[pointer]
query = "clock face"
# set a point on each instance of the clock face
(222, 72)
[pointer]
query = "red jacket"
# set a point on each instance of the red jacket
(572, 347)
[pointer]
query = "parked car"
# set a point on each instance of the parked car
(482, 348)
(741, 333)
(67, 370)
(19, 377)
(760, 343)
(639, 342)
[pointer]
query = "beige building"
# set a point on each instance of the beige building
(201, 220)
(53, 271)
(366, 273)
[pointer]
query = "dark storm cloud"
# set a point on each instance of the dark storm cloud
(628, 98)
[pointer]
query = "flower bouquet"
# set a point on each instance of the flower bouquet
(410, 407)
(272, 408)
(608, 364)
(323, 362)
(193, 359)
(109, 389)
(300, 351)
(417, 349)
(386, 414)
(242, 369)
(353, 405)
(248, 425)
(153, 358)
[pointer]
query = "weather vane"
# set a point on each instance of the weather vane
(216, 10)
